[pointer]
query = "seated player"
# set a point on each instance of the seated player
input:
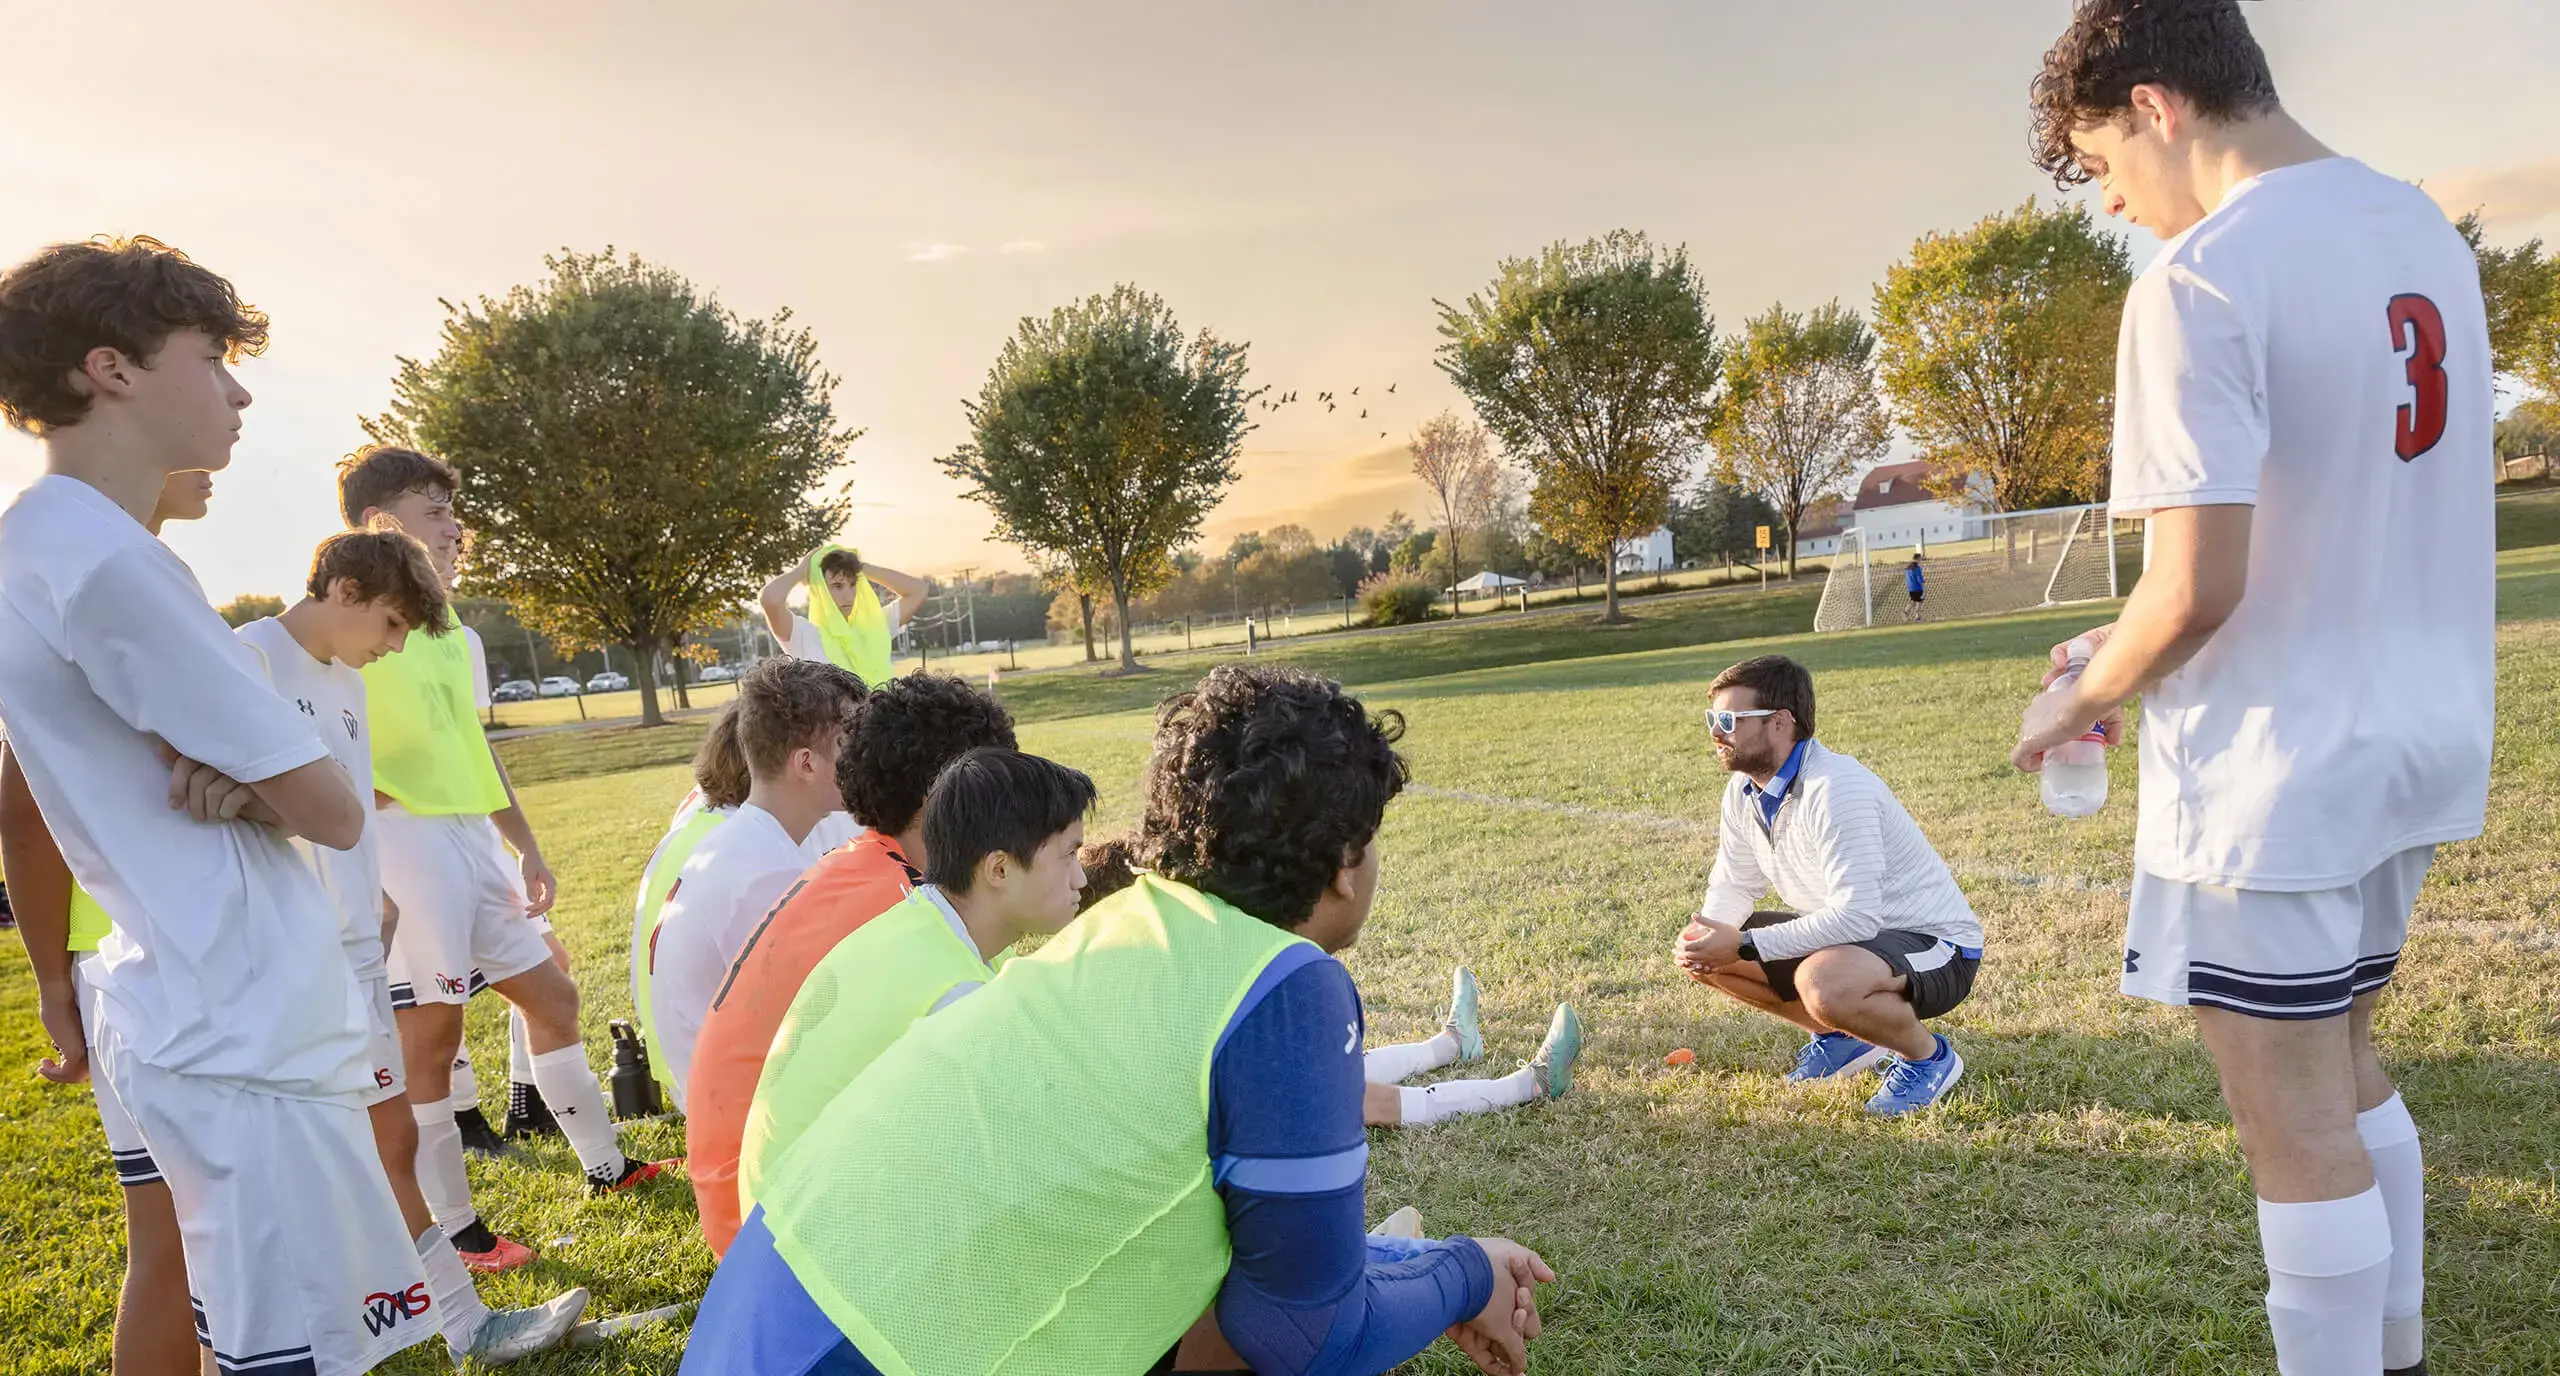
(1034, 1176)
(791, 719)
(1386, 1101)
(368, 589)
(901, 739)
(720, 785)
(849, 625)
(1880, 939)
(1001, 832)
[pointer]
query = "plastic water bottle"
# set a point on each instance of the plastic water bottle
(2075, 772)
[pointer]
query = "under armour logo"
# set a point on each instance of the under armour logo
(2132, 961)
(307, 709)
(564, 1110)
(1351, 1043)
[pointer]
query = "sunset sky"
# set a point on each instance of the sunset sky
(910, 179)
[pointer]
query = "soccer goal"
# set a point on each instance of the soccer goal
(1998, 562)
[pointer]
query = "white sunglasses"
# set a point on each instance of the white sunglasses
(1722, 723)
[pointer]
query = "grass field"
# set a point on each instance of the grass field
(2079, 1206)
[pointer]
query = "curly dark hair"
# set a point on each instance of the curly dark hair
(385, 564)
(784, 704)
(1265, 782)
(1109, 867)
(129, 295)
(2201, 49)
(905, 734)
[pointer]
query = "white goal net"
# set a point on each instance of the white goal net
(1991, 563)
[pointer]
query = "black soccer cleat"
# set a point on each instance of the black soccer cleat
(478, 1138)
(527, 1115)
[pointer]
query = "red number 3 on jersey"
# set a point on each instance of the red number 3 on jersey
(2417, 328)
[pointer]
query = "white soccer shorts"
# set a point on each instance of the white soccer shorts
(297, 1258)
(390, 1076)
(462, 921)
(2269, 954)
(124, 1141)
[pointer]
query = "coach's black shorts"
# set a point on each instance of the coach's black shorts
(1933, 991)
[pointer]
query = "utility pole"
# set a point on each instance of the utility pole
(969, 600)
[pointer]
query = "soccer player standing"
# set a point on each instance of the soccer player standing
(2303, 418)
(228, 1023)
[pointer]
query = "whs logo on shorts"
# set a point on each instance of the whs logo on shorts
(383, 1309)
(450, 985)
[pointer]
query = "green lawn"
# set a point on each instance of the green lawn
(2078, 1207)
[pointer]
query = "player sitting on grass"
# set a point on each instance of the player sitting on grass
(791, 720)
(1045, 1147)
(228, 1025)
(2304, 424)
(1880, 939)
(367, 592)
(999, 839)
(720, 784)
(468, 915)
(900, 740)
(1387, 1102)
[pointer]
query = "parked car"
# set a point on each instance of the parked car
(515, 690)
(719, 673)
(608, 682)
(557, 686)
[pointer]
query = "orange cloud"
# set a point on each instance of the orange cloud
(2510, 199)
(1326, 493)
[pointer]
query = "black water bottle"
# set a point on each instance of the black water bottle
(635, 1088)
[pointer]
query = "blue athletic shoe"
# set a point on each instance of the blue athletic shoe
(1462, 1019)
(1552, 1069)
(1910, 1086)
(1834, 1053)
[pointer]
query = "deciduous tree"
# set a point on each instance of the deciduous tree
(1594, 364)
(1799, 418)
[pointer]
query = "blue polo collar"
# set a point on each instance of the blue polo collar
(1771, 797)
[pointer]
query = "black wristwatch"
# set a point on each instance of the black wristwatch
(1749, 950)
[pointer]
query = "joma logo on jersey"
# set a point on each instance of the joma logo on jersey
(353, 726)
(384, 1309)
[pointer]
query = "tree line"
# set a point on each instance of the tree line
(637, 457)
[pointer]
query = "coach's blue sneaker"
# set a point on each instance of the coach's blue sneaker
(1910, 1086)
(1552, 1070)
(1461, 1022)
(1834, 1053)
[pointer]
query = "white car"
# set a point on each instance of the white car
(608, 682)
(718, 673)
(559, 687)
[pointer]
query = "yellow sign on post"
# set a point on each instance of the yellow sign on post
(1764, 536)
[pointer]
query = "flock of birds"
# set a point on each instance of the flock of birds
(1332, 402)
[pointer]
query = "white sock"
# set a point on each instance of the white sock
(440, 1175)
(2328, 1266)
(459, 1312)
(1458, 1098)
(519, 1048)
(466, 1086)
(1387, 1065)
(577, 1104)
(2400, 1172)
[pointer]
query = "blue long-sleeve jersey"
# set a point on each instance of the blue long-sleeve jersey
(1308, 1293)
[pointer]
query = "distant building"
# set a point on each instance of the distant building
(1894, 509)
(1818, 535)
(1649, 554)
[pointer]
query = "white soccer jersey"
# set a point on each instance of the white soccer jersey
(224, 960)
(331, 697)
(732, 880)
(2316, 348)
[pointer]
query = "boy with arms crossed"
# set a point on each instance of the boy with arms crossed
(172, 777)
(2303, 423)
